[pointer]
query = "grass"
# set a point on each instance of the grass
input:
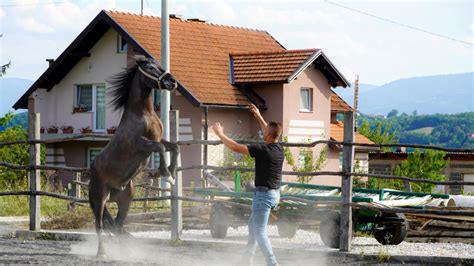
(383, 255)
(18, 206)
(422, 130)
(79, 218)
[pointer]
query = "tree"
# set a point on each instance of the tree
(15, 154)
(306, 163)
(380, 133)
(392, 113)
(427, 165)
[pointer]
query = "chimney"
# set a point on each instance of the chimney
(50, 61)
(197, 20)
(176, 16)
(356, 99)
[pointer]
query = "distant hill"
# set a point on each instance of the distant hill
(441, 94)
(11, 89)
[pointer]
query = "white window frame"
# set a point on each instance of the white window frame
(119, 45)
(89, 149)
(310, 99)
(94, 104)
(76, 95)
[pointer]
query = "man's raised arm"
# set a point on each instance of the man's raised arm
(228, 142)
(254, 110)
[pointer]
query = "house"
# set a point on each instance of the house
(220, 70)
(460, 168)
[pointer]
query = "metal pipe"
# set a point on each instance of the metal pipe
(206, 134)
(165, 95)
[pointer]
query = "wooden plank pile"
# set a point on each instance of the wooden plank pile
(440, 228)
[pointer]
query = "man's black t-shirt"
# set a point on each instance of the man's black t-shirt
(268, 164)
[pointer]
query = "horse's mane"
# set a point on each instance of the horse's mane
(121, 83)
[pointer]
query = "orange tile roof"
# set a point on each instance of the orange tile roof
(337, 133)
(270, 66)
(199, 52)
(338, 104)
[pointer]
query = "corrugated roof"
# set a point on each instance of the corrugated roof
(269, 66)
(199, 52)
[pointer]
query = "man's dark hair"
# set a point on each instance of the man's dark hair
(275, 129)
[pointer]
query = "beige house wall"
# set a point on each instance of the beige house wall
(316, 125)
(56, 106)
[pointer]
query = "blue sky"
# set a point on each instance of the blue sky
(378, 51)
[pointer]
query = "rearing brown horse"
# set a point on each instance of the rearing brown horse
(137, 136)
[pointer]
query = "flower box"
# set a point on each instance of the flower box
(52, 130)
(86, 130)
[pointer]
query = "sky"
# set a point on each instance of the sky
(358, 44)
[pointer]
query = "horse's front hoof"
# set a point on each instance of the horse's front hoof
(101, 256)
(169, 179)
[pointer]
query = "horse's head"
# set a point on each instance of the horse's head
(154, 76)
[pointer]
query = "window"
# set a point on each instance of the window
(92, 98)
(91, 154)
(84, 96)
(122, 44)
(306, 95)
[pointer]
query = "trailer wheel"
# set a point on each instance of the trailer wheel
(287, 228)
(395, 234)
(219, 220)
(329, 229)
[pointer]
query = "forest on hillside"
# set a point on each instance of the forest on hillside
(453, 131)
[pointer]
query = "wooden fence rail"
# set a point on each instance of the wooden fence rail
(176, 196)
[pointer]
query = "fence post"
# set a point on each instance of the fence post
(407, 186)
(346, 183)
(74, 190)
(34, 181)
(177, 188)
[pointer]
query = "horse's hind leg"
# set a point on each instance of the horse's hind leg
(98, 194)
(123, 199)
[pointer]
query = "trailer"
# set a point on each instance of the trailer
(306, 204)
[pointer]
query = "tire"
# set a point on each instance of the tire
(330, 229)
(395, 234)
(287, 228)
(219, 221)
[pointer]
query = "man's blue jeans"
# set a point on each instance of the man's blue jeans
(262, 204)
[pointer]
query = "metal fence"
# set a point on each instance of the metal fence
(176, 197)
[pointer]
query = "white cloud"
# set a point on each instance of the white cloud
(472, 27)
(32, 25)
(2, 13)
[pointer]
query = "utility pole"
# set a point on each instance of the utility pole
(141, 8)
(356, 100)
(165, 95)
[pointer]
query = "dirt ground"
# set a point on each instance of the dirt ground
(153, 252)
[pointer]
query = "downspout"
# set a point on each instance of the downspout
(206, 133)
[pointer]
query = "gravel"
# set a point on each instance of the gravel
(311, 241)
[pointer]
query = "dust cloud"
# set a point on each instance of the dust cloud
(207, 252)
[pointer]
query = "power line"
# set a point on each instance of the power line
(399, 23)
(32, 4)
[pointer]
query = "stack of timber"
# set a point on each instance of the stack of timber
(441, 228)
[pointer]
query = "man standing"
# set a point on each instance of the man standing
(269, 159)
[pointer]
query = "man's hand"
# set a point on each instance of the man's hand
(218, 129)
(254, 110)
